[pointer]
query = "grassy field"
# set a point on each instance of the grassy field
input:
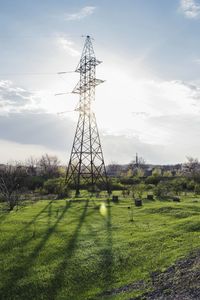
(73, 250)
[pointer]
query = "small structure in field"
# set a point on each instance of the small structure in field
(138, 202)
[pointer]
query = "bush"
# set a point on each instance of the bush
(191, 185)
(138, 190)
(150, 187)
(56, 186)
(163, 190)
(34, 182)
(154, 179)
(129, 181)
(197, 189)
(178, 185)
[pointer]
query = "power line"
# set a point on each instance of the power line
(36, 36)
(35, 74)
(60, 94)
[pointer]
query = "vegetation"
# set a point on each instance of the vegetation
(92, 249)
(11, 184)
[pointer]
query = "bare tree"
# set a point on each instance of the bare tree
(192, 166)
(11, 183)
(31, 165)
(49, 166)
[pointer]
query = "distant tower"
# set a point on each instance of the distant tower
(86, 164)
(136, 160)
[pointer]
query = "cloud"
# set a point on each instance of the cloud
(15, 99)
(183, 139)
(143, 115)
(183, 132)
(25, 124)
(22, 152)
(68, 46)
(42, 129)
(190, 8)
(122, 149)
(156, 118)
(124, 103)
(83, 13)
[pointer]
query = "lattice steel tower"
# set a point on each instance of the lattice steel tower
(86, 164)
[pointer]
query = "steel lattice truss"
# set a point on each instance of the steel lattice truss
(86, 164)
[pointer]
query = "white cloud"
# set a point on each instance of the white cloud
(21, 152)
(37, 128)
(143, 113)
(68, 46)
(190, 8)
(16, 99)
(147, 115)
(83, 13)
(120, 101)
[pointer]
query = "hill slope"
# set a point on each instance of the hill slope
(181, 281)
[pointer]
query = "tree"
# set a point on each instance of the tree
(163, 189)
(138, 190)
(178, 185)
(31, 165)
(192, 166)
(57, 186)
(11, 183)
(167, 173)
(156, 172)
(140, 172)
(49, 166)
(197, 189)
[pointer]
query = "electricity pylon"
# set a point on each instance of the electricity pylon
(86, 164)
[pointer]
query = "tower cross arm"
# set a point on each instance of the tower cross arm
(84, 87)
(86, 63)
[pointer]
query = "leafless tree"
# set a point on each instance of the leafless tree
(192, 166)
(11, 183)
(49, 166)
(31, 165)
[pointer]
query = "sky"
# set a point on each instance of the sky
(149, 102)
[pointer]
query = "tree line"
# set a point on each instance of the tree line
(45, 175)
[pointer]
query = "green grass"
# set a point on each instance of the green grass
(68, 250)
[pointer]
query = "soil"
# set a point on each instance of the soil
(179, 282)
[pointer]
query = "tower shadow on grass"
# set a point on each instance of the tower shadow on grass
(57, 281)
(19, 272)
(46, 208)
(49, 214)
(25, 240)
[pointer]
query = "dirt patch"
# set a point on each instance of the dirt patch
(179, 282)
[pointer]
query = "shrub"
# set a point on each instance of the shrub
(154, 179)
(56, 186)
(163, 189)
(191, 185)
(34, 182)
(197, 189)
(178, 185)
